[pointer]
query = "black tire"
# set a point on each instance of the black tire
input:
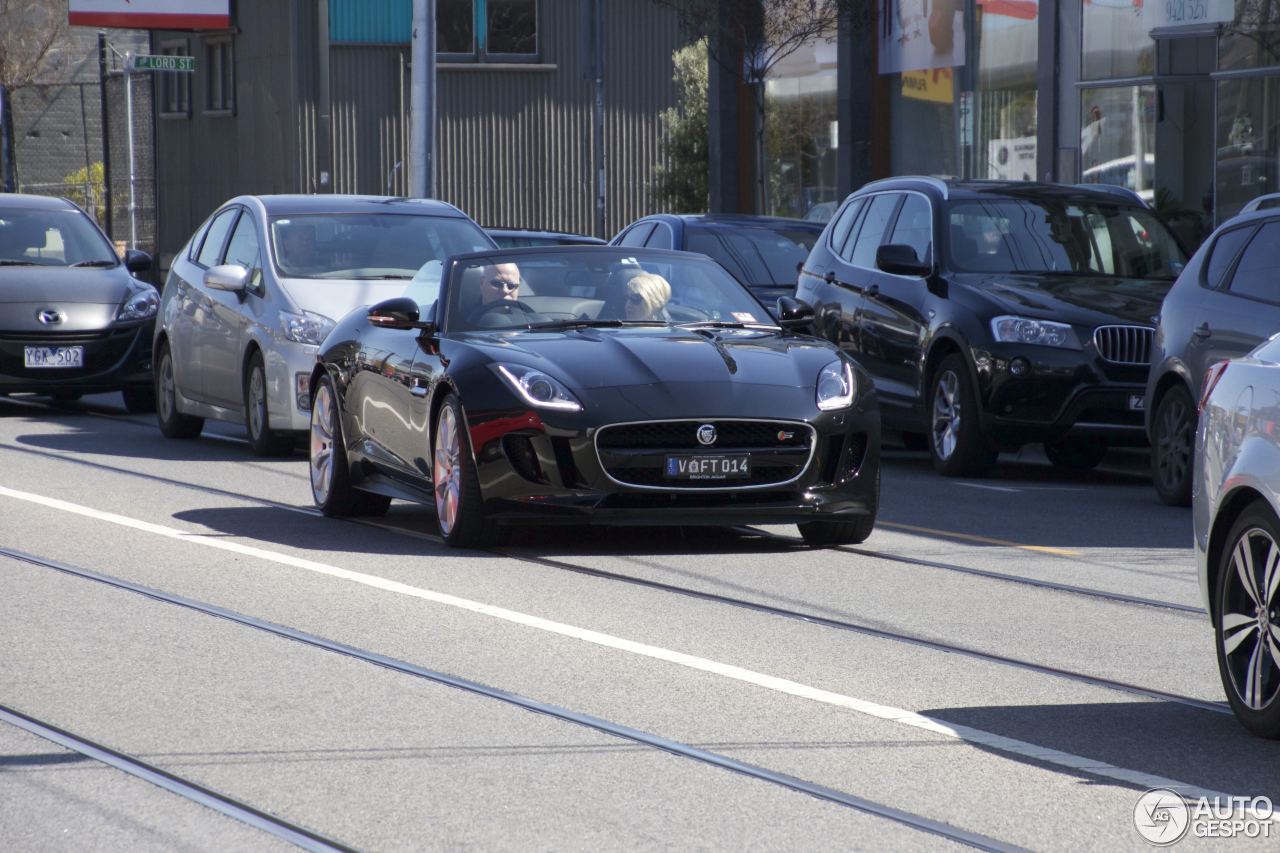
(173, 423)
(1076, 454)
(956, 443)
(459, 503)
(263, 440)
(818, 534)
(330, 474)
(139, 401)
(1173, 440)
(1253, 633)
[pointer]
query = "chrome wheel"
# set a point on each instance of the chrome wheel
(257, 403)
(165, 404)
(946, 414)
(322, 419)
(1248, 627)
(446, 470)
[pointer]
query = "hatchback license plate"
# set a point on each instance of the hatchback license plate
(1137, 402)
(53, 356)
(708, 467)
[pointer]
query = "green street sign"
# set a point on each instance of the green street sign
(146, 62)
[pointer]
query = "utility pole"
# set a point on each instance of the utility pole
(133, 178)
(422, 100)
(103, 68)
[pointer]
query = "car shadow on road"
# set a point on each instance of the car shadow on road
(313, 532)
(1186, 744)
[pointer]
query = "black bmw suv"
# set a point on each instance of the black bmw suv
(995, 314)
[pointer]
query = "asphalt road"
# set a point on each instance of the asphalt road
(1007, 662)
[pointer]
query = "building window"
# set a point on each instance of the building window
(219, 76)
(1117, 138)
(487, 30)
(175, 86)
(1117, 42)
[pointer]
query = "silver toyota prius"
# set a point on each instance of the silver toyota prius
(1236, 509)
(253, 293)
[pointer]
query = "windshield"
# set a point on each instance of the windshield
(756, 255)
(369, 245)
(52, 238)
(593, 285)
(1015, 235)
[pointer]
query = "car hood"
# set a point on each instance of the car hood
(335, 298)
(86, 298)
(595, 358)
(1074, 299)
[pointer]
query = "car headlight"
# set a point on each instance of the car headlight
(1023, 330)
(537, 388)
(836, 386)
(305, 328)
(139, 306)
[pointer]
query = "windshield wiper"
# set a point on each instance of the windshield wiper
(593, 324)
(8, 263)
(98, 263)
(725, 324)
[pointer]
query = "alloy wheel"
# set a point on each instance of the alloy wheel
(446, 469)
(165, 404)
(257, 403)
(322, 449)
(946, 414)
(1173, 443)
(1249, 629)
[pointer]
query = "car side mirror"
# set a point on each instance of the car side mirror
(900, 259)
(136, 261)
(794, 314)
(229, 277)
(401, 312)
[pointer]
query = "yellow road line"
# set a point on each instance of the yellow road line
(985, 540)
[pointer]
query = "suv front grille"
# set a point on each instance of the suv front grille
(1124, 344)
(635, 454)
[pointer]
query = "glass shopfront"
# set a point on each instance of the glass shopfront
(801, 126)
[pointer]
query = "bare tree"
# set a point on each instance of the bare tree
(747, 38)
(30, 33)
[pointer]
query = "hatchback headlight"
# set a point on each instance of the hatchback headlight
(140, 305)
(836, 386)
(1023, 330)
(537, 388)
(305, 328)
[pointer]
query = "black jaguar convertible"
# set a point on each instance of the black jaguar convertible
(592, 385)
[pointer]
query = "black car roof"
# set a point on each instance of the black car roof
(737, 220)
(25, 201)
(301, 203)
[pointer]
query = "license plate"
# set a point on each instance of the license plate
(53, 356)
(708, 467)
(1137, 402)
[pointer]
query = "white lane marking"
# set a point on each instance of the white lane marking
(988, 488)
(889, 713)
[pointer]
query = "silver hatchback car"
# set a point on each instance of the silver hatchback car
(262, 282)
(1236, 509)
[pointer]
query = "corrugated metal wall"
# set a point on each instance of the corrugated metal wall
(514, 141)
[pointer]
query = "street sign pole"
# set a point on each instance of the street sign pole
(128, 118)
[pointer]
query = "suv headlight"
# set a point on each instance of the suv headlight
(305, 328)
(836, 386)
(1023, 330)
(140, 305)
(537, 388)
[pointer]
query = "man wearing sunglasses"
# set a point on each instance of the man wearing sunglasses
(500, 303)
(499, 282)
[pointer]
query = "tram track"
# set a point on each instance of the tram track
(308, 840)
(770, 609)
(285, 830)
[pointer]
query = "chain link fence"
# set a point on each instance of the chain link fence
(64, 149)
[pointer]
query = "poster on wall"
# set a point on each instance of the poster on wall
(151, 14)
(916, 35)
